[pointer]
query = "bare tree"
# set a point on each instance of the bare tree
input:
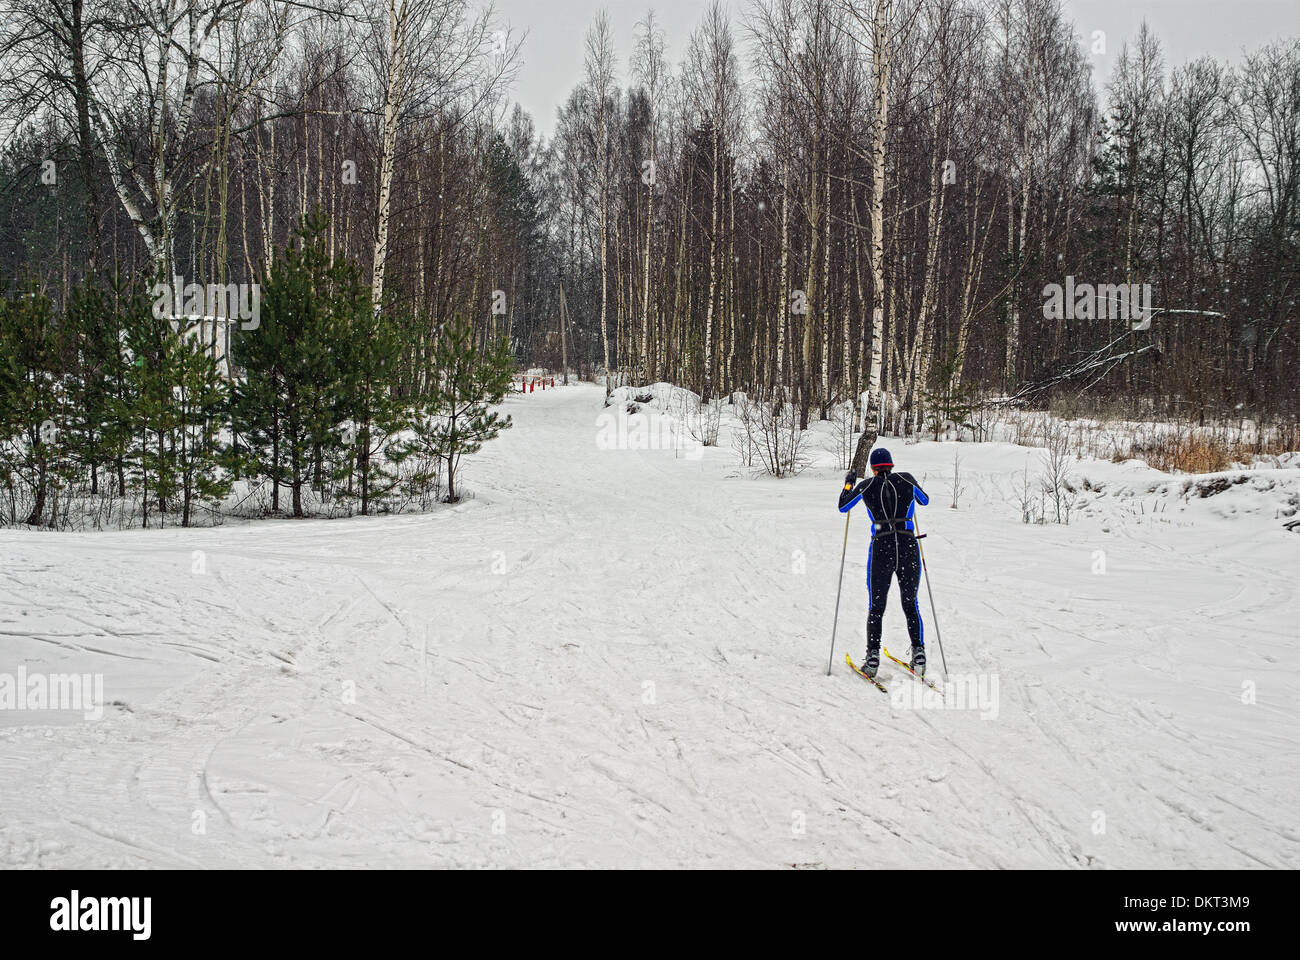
(600, 68)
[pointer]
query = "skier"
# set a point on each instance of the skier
(890, 499)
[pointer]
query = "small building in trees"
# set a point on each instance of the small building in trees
(215, 333)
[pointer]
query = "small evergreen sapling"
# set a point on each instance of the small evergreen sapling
(454, 417)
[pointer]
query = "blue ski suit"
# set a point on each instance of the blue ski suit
(890, 499)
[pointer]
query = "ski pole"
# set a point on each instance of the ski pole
(930, 590)
(838, 590)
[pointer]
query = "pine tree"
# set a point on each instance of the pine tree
(29, 397)
(147, 410)
(94, 371)
(172, 406)
(202, 400)
(287, 409)
(369, 361)
(455, 418)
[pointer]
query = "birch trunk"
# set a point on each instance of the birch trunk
(880, 71)
(398, 24)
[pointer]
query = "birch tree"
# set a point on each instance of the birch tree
(600, 66)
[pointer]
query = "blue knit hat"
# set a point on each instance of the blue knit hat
(880, 458)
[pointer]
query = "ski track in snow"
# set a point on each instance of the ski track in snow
(609, 659)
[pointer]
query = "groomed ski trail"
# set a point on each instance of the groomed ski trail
(616, 658)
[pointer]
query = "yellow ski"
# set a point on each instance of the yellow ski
(879, 686)
(909, 669)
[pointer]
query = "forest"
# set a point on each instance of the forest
(825, 206)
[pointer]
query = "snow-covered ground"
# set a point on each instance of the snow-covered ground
(616, 657)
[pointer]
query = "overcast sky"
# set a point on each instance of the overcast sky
(552, 53)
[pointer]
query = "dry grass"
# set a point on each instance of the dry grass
(1193, 453)
(1273, 445)
(1191, 449)
(1186, 454)
(1108, 431)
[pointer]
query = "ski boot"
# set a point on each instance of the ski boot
(872, 663)
(918, 660)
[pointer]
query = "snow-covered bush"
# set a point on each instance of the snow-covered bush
(842, 421)
(779, 441)
(703, 420)
(743, 437)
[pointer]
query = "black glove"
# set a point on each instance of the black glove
(850, 480)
